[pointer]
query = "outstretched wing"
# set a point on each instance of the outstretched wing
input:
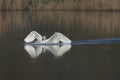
(32, 36)
(58, 37)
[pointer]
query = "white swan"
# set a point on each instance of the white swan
(55, 38)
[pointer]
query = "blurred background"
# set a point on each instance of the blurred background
(76, 19)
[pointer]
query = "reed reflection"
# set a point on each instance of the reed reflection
(36, 50)
(86, 24)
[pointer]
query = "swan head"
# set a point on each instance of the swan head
(44, 38)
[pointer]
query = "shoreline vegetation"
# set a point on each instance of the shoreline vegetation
(111, 5)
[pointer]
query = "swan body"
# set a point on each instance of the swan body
(55, 38)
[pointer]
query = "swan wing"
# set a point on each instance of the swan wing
(32, 36)
(57, 37)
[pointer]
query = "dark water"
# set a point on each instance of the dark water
(80, 62)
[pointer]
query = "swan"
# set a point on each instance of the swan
(55, 38)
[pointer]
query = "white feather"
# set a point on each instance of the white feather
(32, 36)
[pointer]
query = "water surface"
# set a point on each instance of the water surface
(81, 62)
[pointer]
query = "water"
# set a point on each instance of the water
(79, 62)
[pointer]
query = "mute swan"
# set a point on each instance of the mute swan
(55, 38)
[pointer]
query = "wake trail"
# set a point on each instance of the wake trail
(81, 42)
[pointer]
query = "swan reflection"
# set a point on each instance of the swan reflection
(36, 50)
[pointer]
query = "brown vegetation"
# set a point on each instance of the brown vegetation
(61, 4)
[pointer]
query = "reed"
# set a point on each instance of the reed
(61, 4)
